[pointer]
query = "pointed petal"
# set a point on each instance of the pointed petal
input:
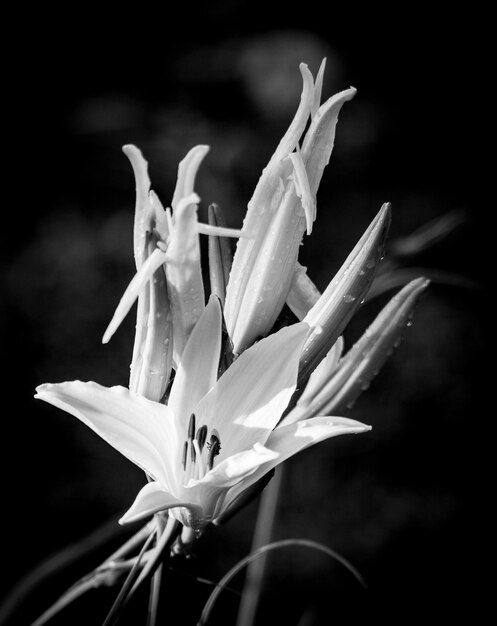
(142, 207)
(211, 491)
(366, 357)
(247, 401)
(303, 293)
(197, 370)
(220, 255)
(264, 204)
(162, 217)
(151, 499)
(187, 171)
(303, 189)
(318, 88)
(239, 465)
(331, 313)
(183, 273)
(288, 440)
(297, 126)
(139, 429)
(320, 137)
(138, 282)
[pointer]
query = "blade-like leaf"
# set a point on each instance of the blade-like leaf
(284, 543)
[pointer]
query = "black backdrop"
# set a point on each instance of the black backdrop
(404, 502)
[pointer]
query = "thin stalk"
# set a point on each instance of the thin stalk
(155, 587)
(57, 563)
(112, 615)
(262, 536)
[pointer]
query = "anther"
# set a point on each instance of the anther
(214, 447)
(191, 435)
(201, 436)
(185, 452)
(191, 427)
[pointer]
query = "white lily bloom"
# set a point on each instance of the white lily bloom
(282, 208)
(215, 437)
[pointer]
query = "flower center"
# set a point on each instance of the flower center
(195, 461)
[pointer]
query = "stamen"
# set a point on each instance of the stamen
(185, 453)
(214, 447)
(201, 436)
(200, 466)
(191, 435)
(191, 427)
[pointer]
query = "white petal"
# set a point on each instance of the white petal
(187, 171)
(318, 88)
(303, 189)
(237, 466)
(198, 367)
(303, 293)
(142, 430)
(151, 499)
(288, 440)
(211, 491)
(138, 282)
(248, 400)
(320, 137)
(154, 352)
(183, 273)
(142, 206)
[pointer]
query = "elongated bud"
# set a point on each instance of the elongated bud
(282, 208)
(220, 255)
(152, 354)
(368, 355)
(353, 374)
(331, 313)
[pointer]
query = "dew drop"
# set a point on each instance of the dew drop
(348, 298)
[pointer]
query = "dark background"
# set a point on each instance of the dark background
(406, 502)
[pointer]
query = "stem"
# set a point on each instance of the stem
(55, 564)
(119, 601)
(155, 587)
(262, 535)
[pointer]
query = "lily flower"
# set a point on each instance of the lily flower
(282, 208)
(215, 437)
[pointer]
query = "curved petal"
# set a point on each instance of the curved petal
(248, 400)
(142, 430)
(211, 490)
(198, 368)
(151, 499)
(288, 440)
